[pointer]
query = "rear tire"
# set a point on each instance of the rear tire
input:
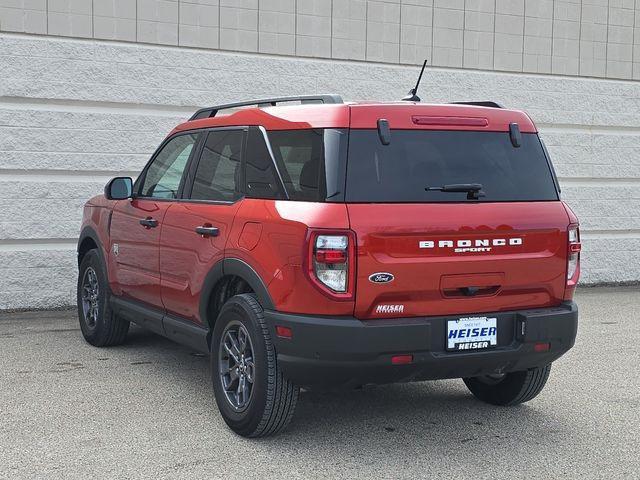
(268, 401)
(99, 325)
(512, 389)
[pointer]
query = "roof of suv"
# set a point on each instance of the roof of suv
(400, 115)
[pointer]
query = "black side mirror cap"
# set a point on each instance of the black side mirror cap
(119, 188)
(515, 135)
(384, 132)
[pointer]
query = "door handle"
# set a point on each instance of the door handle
(149, 222)
(208, 231)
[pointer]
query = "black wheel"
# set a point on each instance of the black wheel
(99, 325)
(510, 388)
(254, 398)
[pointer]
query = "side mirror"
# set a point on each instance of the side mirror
(119, 188)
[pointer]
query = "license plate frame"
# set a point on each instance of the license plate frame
(471, 334)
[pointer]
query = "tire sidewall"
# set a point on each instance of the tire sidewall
(238, 309)
(501, 393)
(515, 388)
(93, 335)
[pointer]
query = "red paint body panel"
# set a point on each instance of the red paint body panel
(401, 116)
(135, 271)
(187, 257)
(528, 275)
(295, 117)
(279, 255)
(250, 235)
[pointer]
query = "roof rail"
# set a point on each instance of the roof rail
(266, 102)
(480, 104)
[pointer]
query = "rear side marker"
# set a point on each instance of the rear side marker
(284, 332)
(542, 347)
(402, 359)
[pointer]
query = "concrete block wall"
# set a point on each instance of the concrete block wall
(74, 113)
(595, 38)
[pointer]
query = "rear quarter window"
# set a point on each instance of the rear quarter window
(311, 162)
(418, 159)
(261, 179)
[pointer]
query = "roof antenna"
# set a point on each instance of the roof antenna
(411, 96)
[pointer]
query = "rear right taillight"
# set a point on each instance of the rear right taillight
(331, 262)
(573, 258)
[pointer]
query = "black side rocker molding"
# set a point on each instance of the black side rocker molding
(177, 329)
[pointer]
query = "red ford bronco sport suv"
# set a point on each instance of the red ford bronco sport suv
(331, 244)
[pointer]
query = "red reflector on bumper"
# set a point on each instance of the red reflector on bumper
(541, 347)
(284, 332)
(402, 359)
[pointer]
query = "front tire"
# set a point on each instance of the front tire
(99, 325)
(511, 388)
(253, 397)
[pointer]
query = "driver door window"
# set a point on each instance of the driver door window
(162, 178)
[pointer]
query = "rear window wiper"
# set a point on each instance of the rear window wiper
(473, 190)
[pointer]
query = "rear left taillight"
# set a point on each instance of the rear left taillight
(331, 263)
(573, 258)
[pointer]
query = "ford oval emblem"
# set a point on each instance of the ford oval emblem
(381, 277)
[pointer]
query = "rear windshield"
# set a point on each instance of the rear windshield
(419, 159)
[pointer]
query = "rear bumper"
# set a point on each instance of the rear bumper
(344, 351)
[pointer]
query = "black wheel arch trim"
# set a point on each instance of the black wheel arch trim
(240, 268)
(89, 232)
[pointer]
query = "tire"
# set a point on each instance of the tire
(271, 400)
(512, 389)
(99, 325)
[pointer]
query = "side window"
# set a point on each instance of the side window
(260, 174)
(218, 173)
(300, 156)
(162, 178)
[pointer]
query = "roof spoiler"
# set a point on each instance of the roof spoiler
(487, 103)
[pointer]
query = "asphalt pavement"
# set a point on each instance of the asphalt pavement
(146, 410)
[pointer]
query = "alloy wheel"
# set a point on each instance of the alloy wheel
(90, 297)
(236, 365)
